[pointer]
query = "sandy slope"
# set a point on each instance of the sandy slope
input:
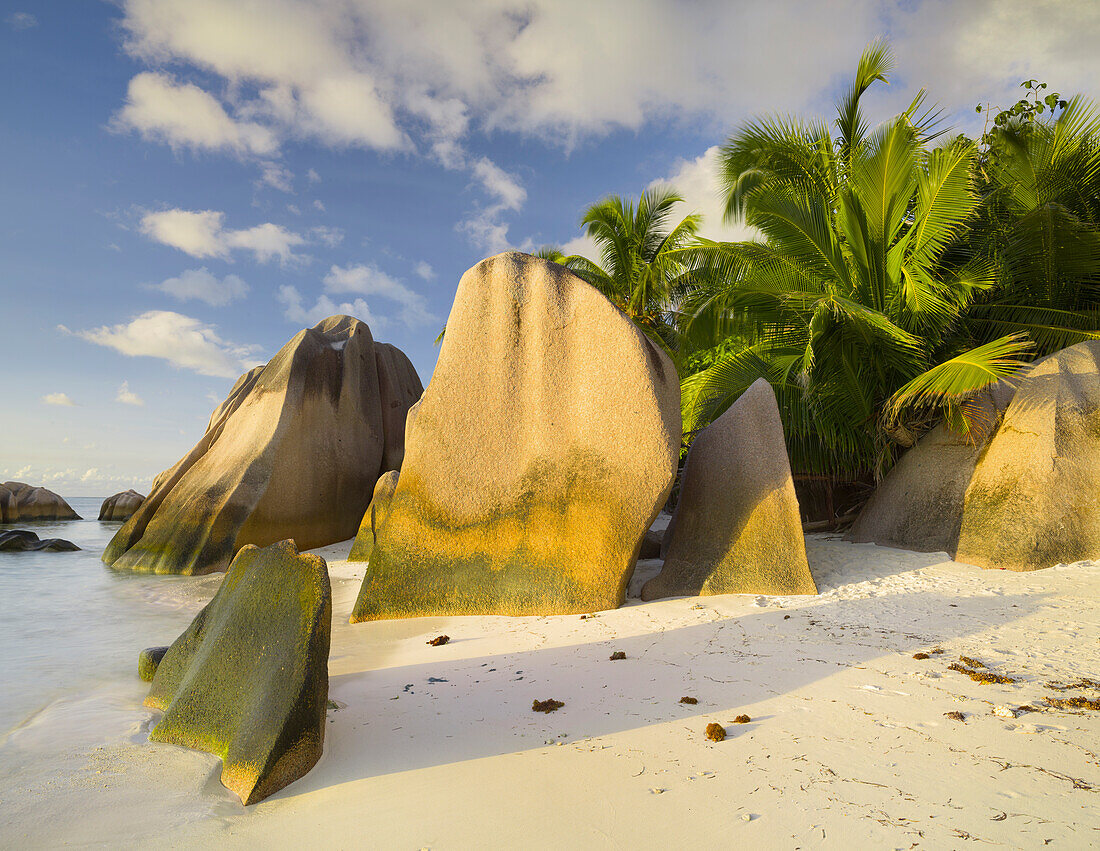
(438, 747)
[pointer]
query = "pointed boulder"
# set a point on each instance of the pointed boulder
(248, 680)
(540, 454)
(737, 529)
(31, 503)
(293, 452)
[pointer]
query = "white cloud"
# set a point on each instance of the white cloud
(313, 177)
(370, 280)
(276, 176)
(128, 397)
(58, 399)
(318, 205)
(296, 311)
(202, 285)
(200, 234)
(484, 226)
(183, 115)
(183, 341)
(21, 20)
(697, 183)
(424, 270)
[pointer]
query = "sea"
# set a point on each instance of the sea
(68, 623)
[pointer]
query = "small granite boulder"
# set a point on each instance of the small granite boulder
(538, 457)
(9, 505)
(736, 529)
(33, 503)
(1032, 501)
(121, 506)
(293, 452)
(149, 661)
(248, 680)
(919, 504)
(18, 540)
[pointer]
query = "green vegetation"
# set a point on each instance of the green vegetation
(898, 271)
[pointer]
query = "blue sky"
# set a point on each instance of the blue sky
(187, 183)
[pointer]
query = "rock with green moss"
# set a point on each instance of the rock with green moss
(293, 452)
(149, 661)
(1032, 501)
(248, 680)
(737, 527)
(919, 504)
(542, 450)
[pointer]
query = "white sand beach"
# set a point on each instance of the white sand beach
(438, 747)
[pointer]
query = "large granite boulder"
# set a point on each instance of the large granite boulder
(736, 529)
(293, 452)
(121, 506)
(538, 457)
(248, 680)
(19, 540)
(919, 504)
(31, 503)
(1034, 498)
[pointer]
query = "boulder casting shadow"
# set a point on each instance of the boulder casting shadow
(248, 680)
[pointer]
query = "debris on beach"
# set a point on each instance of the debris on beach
(921, 656)
(439, 640)
(1004, 712)
(954, 716)
(1074, 702)
(617, 655)
(983, 677)
(971, 662)
(691, 701)
(715, 732)
(549, 705)
(1084, 682)
(742, 719)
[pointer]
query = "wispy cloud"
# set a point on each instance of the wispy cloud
(369, 280)
(21, 21)
(201, 234)
(202, 285)
(58, 399)
(127, 397)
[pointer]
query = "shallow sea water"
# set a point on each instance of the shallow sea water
(69, 623)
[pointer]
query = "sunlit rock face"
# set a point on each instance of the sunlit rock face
(20, 501)
(293, 452)
(248, 680)
(1034, 498)
(919, 504)
(536, 461)
(121, 506)
(736, 529)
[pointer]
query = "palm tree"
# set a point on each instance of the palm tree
(852, 305)
(1039, 224)
(644, 263)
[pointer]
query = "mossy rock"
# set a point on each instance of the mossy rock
(149, 661)
(537, 459)
(737, 529)
(248, 680)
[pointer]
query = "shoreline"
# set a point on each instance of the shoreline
(438, 746)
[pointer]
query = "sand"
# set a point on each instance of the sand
(437, 747)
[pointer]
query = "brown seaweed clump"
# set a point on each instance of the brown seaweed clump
(742, 719)
(972, 663)
(983, 677)
(439, 640)
(920, 656)
(715, 732)
(547, 706)
(617, 655)
(1074, 702)
(1084, 682)
(690, 701)
(955, 716)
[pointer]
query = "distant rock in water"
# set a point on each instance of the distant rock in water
(919, 504)
(293, 452)
(736, 529)
(248, 680)
(1033, 500)
(18, 540)
(22, 502)
(121, 506)
(542, 450)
